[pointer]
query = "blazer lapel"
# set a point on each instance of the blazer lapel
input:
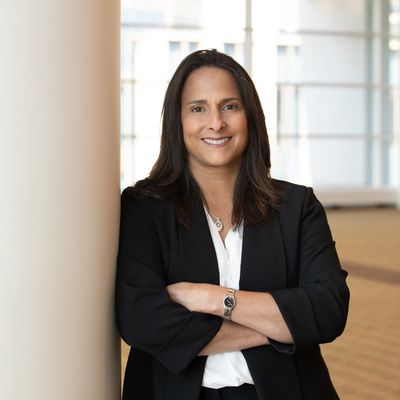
(263, 264)
(198, 260)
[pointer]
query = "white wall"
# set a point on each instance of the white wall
(59, 201)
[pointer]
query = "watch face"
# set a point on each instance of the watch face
(229, 302)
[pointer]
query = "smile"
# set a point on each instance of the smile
(217, 141)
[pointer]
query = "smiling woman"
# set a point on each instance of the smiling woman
(224, 86)
(228, 280)
(214, 121)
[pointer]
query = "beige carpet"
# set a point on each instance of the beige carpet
(365, 361)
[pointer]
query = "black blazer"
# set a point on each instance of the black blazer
(292, 257)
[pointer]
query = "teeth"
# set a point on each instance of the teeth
(217, 141)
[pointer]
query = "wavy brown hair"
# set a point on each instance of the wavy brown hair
(255, 194)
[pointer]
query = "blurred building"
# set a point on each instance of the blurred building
(327, 71)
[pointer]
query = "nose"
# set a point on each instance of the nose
(217, 122)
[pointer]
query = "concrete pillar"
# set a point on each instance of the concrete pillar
(59, 199)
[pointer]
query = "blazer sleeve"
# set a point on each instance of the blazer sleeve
(315, 310)
(147, 318)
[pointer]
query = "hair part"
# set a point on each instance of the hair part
(255, 194)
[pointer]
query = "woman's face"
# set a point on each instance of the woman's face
(213, 119)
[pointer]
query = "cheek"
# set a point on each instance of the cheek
(190, 128)
(187, 134)
(185, 129)
(244, 129)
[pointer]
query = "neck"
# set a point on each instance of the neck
(217, 186)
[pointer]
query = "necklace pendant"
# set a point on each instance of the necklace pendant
(219, 225)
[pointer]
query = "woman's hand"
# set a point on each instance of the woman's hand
(199, 297)
(207, 298)
(233, 337)
(255, 310)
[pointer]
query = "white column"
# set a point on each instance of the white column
(248, 41)
(59, 199)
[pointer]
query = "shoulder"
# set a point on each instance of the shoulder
(297, 200)
(302, 217)
(133, 198)
(147, 188)
(147, 205)
(290, 189)
(292, 192)
(137, 195)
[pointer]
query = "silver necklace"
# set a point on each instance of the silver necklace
(218, 220)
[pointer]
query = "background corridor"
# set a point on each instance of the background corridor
(365, 361)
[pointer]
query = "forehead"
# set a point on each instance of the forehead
(205, 81)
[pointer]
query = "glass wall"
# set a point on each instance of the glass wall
(337, 92)
(328, 73)
(156, 35)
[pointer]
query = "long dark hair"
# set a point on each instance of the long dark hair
(255, 194)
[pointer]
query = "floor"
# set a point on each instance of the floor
(365, 361)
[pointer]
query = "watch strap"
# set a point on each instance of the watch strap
(229, 303)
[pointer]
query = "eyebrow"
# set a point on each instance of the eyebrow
(201, 101)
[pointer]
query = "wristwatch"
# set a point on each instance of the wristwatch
(229, 302)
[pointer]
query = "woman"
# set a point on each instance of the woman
(228, 280)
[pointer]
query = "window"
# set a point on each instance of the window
(328, 74)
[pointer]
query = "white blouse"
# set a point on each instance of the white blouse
(227, 369)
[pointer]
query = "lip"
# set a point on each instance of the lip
(217, 141)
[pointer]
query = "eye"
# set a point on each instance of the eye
(231, 106)
(197, 109)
